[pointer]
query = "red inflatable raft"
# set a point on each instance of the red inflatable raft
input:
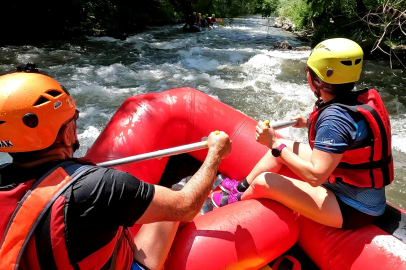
(244, 235)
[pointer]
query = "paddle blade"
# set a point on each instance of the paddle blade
(222, 24)
(219, 19)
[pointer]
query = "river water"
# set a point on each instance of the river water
(236, 65)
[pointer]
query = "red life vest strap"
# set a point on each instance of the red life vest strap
(366, 166)
(384, 159)
(36, 202)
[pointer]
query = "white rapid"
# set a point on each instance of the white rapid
(236, 65)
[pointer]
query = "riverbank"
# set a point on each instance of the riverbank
(398, 57)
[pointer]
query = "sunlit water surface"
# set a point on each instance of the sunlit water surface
(236, 65)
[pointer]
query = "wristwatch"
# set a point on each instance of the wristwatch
(276, 152)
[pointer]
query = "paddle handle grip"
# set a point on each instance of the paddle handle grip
(282, 124)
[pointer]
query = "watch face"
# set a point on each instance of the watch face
(275, 152)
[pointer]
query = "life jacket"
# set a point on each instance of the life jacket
(28, 204)
(370, 166)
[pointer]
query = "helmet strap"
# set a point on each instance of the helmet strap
(313, 86)
(318, 84)
(75, 146)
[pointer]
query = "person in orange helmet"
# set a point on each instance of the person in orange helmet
(59, 212)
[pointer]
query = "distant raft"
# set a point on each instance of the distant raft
(189, 28)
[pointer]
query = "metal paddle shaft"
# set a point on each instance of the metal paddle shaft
(175, 150)
(283, 124)
(157, 154)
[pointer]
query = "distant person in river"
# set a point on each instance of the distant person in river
(208, 21)
(212, 19)
(199, 19)
(68, 213)
(196, 18)
(190, 20)
(190, 23)
(203, 22)
(348, 162)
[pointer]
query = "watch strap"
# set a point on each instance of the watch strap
(281, 146)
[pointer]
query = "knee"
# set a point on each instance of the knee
(268, 184)
(264, 182)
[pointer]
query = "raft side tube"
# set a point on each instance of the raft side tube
(233, 237)
(365, 248)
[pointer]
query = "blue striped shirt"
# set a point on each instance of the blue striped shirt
(339, 130)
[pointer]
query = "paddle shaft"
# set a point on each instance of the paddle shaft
(175, 150)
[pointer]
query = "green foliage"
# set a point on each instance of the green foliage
(30, 21)
(328, 9)
(123, 16)
(229, 8)
(264, 7)
(296, 10)
(48, 19)
(341, 27)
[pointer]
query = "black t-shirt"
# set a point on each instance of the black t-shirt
(98, 203)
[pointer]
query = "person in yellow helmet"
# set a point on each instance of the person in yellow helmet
(190, 21)
(199, 19)
(208, 21)
(44, 190)
(203, 22)
(348, 162)
(212, 19)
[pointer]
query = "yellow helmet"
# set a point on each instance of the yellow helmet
(194, 13)
(337, 61)
(200, 14)
(207, 15)
(213, 15)
(204, 16)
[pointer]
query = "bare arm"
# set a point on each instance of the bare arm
(183, 205)
(314, 171)
(301, 121)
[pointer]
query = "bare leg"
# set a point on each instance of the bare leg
(153, 242)
(269, 163)
(316, 203)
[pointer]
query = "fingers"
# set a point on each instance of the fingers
(258, 129)
(297, 117)
(220, 142)
(264, 134)
(301, 121)
(262, 125)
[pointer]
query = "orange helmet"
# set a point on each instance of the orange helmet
(33, 108)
